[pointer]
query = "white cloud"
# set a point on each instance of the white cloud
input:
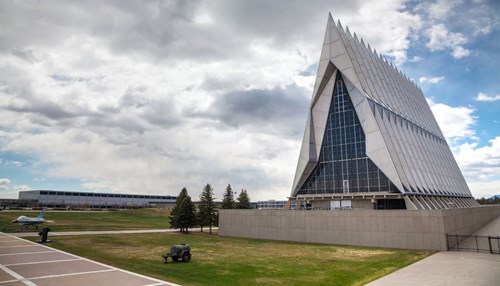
(455, 122)
(10, 191)
(484, 97)
(481, 166)
(415, 59)
(18, 188)
(482, 18)
(480, 162)
(440, 39)
(10, 163)
(441, 8)
(460, 52)
(472, 20)
(4, 182)
(431, 79)
(387, 27)
(485, 189)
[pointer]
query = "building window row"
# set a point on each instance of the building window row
(105, 195)
(343, 165)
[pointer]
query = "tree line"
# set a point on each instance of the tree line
(494, 200)
(185, 215)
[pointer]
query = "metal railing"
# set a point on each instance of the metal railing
(477, 243)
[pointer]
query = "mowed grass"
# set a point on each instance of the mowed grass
(91, 220)
(236, 261)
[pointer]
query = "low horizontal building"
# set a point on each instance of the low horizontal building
(63, 199)
(271, 204)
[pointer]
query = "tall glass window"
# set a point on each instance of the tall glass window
(343, 165)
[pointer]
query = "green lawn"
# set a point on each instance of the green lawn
(89, 220)
(216, 260)
(236, 261)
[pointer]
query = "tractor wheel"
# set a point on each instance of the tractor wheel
(186, 258)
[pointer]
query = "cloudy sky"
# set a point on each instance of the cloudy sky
(151, 96)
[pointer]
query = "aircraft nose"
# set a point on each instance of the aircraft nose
(14, 221)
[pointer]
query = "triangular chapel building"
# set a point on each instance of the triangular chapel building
(371, 140)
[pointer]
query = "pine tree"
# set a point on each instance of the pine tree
(207, 213)
(244, 200)
(187, 214)
(183, 215)
(174, 213)
(228, 198)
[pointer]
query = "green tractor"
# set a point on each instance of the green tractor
(179, 251)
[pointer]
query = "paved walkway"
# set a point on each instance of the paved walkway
(55, 233)
(27, 263)
(451, 267)
(30, 234)
(448, 268)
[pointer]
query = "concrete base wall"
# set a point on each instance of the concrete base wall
(407, 229)
(362, 204)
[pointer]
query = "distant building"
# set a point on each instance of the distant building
(371, 140)
(15, 203)
(93, 200)
(271, 204)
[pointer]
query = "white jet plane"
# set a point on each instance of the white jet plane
(25, 221)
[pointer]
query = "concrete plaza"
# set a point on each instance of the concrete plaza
(451, 267)
(27, 263)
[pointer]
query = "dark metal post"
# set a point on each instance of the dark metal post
(458, 244)
(489, 242)
(477, 246)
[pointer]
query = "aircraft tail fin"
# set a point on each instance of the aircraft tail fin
(42, 213)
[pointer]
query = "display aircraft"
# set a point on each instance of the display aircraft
(25, 221)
